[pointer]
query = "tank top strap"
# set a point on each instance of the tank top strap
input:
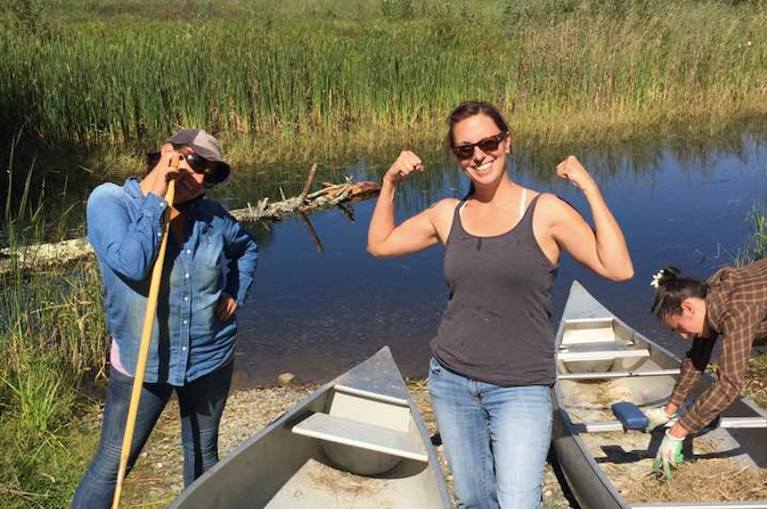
(527, 218)
(457, 228)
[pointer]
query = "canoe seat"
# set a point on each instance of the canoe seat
(365, 436)
(608, 350)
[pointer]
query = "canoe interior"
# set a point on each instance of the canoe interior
(279, 469)
(619, 459)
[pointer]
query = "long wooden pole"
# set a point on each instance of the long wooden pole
(146, 335)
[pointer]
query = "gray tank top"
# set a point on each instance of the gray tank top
(497, 326)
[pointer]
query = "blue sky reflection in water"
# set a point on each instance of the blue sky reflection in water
(318, 314)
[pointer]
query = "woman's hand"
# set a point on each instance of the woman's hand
(406, 163)
(163, 172)
(572, 170)
(657, 417)
(226, 307)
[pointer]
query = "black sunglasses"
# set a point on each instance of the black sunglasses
(214, 172)
(486, 145)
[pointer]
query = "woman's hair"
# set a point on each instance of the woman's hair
(672, 289)
(152, 159)
(469, 109)
(466, 110)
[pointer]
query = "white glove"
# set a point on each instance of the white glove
(669, 455)
(657, 417)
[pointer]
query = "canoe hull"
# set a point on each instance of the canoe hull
(279, 469)
(586, 483)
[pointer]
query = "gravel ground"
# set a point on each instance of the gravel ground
(157, 478)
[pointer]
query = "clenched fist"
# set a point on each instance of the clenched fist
(572, 170)
(406, 163)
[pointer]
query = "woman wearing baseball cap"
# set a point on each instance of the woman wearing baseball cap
(209, 267)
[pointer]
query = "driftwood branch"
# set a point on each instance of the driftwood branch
(309, 181)
(39, 255)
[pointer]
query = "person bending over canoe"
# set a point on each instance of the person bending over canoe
(493, 363)
(732, 304)
(209, 267)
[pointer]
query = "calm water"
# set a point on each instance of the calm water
(321, 305)
(317, 311)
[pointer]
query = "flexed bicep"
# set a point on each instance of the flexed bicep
(413, 235)
(574, 236)
(602, 251)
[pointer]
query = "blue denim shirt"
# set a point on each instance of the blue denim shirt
(188, 340)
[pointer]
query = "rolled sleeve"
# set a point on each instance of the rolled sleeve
(126, 242)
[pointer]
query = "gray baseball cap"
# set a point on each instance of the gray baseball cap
(207, 146)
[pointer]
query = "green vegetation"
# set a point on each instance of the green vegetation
(52, 332)
(307, 79)
(755, 247)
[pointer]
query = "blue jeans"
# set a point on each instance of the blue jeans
(201, 403)
(496, 439)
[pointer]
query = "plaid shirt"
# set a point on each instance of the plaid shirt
(736, 309)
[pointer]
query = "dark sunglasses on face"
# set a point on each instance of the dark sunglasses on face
(214, 172)
(486, 145)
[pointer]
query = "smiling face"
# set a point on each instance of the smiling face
(483, 168)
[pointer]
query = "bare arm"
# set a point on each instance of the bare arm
(385, 238)
(603, 249)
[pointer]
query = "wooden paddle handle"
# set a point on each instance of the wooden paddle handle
(146, 335)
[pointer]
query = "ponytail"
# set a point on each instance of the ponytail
(671, 289)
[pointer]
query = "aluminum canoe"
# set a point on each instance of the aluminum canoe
(600, 360)
(356, 443)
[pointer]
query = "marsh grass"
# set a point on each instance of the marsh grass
(755, 245)
(307, 76)
(52, 333)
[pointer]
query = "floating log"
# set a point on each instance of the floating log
(41, 255)
(329, 196)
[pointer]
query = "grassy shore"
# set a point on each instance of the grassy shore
(309, 79)
(52, 333)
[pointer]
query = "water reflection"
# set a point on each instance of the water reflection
(321, 303)
(317, 313)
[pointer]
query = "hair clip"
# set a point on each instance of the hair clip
(655, 283)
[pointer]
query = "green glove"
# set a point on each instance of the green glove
(669, 455)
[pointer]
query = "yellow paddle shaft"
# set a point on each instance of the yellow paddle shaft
(146, 335)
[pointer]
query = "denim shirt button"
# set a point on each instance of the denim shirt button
(186, 321)
(186, 298)
(186, 275)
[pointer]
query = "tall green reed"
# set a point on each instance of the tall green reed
(52, 333)
(755, 246)
(255, 75)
